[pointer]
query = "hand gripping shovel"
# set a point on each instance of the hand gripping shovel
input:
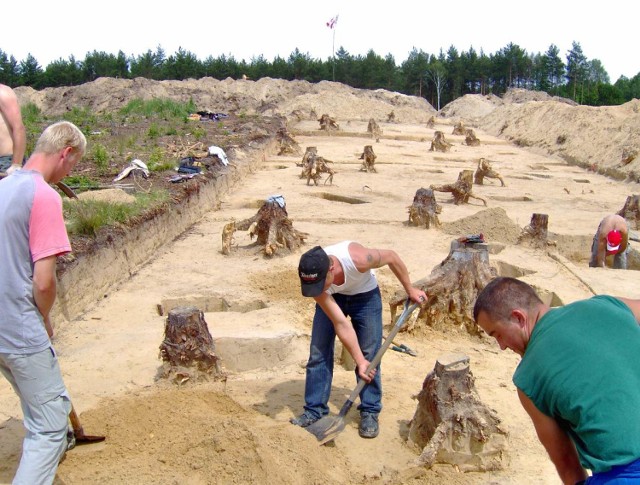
(328, 427)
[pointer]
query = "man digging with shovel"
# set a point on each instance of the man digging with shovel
(341, 280)
(32, 236)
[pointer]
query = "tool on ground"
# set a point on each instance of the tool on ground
(78, 431)
(328, 427)
(401, 348)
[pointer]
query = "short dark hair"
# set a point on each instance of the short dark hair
(502, 295)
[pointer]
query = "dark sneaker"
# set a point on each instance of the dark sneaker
(304, 420)
(368, 425)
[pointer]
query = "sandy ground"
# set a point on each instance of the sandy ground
(237, 431)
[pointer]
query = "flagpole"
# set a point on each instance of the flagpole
(333, 50)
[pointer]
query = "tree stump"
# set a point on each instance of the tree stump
(431, 122)
(288, 146)
(327, 123)
(458, 128)
(631, 211)
(451, 424)
(461, 189)
(368, 159)
(452, 289)
(485, 170)
(187, 350)
(424, 210)
(470, 138)
(272, 227)
(439, 144)
(313, 166)
(228, 241)
(374, 129)
(391, 117)
(535, 234)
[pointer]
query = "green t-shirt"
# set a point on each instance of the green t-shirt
(582, 367)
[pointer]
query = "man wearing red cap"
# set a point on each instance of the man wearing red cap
(611, 238)
(341, 280)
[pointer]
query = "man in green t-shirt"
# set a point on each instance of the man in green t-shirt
(579, 377)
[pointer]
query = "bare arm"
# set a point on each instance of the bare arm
(44, 288)
(10, 109)
(601, 253)
(634, 306)
(345, 332)
(559, 446)
(367, 258)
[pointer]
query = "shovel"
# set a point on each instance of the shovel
(78, 431)
(328, 427)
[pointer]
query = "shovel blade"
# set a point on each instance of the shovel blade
(326, 428)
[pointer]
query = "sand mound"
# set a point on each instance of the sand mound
(266, 96)
(114, 196)
(197, 435)
(493, 223)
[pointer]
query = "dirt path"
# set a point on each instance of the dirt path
(238, 431)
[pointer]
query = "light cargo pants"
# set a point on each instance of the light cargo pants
(37, 380)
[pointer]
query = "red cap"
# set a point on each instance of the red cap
(614, 238)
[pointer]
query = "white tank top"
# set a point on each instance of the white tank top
(355, 282)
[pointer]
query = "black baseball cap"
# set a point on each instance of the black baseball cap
(312, 270)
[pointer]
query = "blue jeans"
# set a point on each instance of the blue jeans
(365, 311)
(618, 475)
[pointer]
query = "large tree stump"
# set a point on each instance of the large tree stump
(368, 159)
(485, 170)
(374, 130)
(327, 123)
(470, 138)
(187, 350)
(458, 128)
(288, 146)
(272, 227)
(535, 234)
(424, 210)
(461, 189)
(631, 211)
(439, 144)
(451, 424)
(452, 289)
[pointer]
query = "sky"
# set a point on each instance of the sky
(250, 28)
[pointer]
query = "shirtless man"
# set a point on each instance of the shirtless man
(13, 137)
(611, 238)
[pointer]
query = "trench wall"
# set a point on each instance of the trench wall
(92, 276)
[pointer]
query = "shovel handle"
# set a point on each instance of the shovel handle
(408, 310)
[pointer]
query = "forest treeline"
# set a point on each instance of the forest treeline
(438, 78)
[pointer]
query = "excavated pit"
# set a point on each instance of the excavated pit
(247, 334)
